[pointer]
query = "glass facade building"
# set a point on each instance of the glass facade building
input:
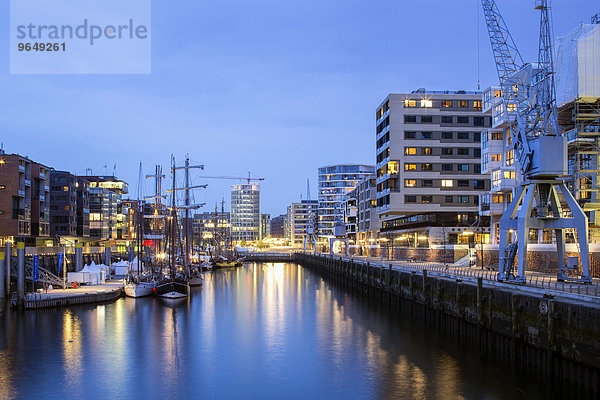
(245, 212)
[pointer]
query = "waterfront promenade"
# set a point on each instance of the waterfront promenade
(82, 295)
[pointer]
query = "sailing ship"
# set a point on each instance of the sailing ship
(141, 283)
(181, 275)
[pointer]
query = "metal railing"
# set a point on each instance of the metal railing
(453, 271)
(44, 276)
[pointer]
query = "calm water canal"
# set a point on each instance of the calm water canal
(264, 331)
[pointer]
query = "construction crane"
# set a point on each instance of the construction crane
(237, 178)
(529, 100)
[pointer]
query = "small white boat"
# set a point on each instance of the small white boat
(140, 289)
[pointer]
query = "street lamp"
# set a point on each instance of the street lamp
(64, 266)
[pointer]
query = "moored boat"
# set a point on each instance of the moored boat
(140, 289)
(176, 288)
(196, 278)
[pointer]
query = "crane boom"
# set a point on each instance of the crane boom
(237, 178)
(514, 81)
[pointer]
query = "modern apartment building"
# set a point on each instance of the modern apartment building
(24, 199)
(368, 223)
(83, 207)
(429, 165)
(497, 162)
(334, 182)
(63, 203)
(298, 217)
(277, 229)
(40, 203)
(109, 216)
(245, 212)
(350, 212)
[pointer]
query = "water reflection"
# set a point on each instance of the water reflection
(261, 331)
(71, 349)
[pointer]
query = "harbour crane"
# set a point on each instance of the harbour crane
(529, 101)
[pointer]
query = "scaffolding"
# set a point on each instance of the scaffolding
(580, 120)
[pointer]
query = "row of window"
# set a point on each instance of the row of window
(445, 135)
(476, 168)
(429, 119)
(446, 183)
(447, 199)
(444, 151)
(426, 103)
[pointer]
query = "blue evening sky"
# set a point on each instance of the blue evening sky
(275, 87)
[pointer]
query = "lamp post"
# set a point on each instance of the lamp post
(64, 266)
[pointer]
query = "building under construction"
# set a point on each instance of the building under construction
(578, 97)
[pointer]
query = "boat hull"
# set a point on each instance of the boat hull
(140, 289)
(173, 289)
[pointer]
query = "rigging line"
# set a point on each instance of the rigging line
(478, 46)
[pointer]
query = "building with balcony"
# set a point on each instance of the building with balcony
(428, 156)
(40, 202)
(334, 182)
(63, 203)
(24, 199)
(109, 216)
(245, 212)
(368, 223)
(497, 162)
(298, 217)
(350, 212)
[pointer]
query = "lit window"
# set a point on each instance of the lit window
(410, 103)
(496, 177)
(426, 151)
(496, 157)
(447, 183)
(446, 103)
(463, 104)
(410, 151)
(410, 183)
(426, 167)
(477, 105)
(426, 103)
(509, 174)
(410, 167)
(65, 188)
(393, 167)
(497, 199)
(510, 154)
